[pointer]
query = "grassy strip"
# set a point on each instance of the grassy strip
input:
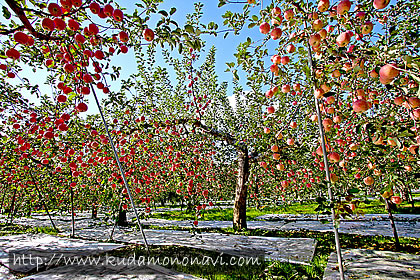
(217, 214)
(274, 269)
(263, 270)
(11, 229)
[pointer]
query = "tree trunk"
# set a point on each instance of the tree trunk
(94, 212)
(239, 210)
(122, 218)
(391, 219)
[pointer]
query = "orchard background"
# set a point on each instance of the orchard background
(345, 70)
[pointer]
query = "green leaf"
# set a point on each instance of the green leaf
(354, 190)
(6, 13)
(164, 13)
(172, 11)
(189, 28)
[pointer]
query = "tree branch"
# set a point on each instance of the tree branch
(22, 16)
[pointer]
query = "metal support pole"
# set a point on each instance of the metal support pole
(117, 159)
(327, 167)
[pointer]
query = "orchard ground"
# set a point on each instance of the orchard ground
(98, 229)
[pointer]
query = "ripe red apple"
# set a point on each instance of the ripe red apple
(118, 15)
(60, 24)
(337, 119)
(291, 48)
(79, 38)
(13, 53)
(414, 102)
(270, 109)
(319, 93)
(276, 11)
(323, 5)
(93, 29)
(274, 68)
(315, 40)
(108, 10)
(343, 39)
(274, 148)
(369, 181)
(327, 123)
(148, 34)
(289, 14)
(81, 107)
(280, 166)
(396, 199)
(285, 60)
(285, 88)
(334, 157)
(317, 24)
(73, 25)
(48, 24)
(367, 27)
(389, 71)
(322, 33)
(265, 28)
(66, 4)
(276, 33)
(55, 9)
(361, 105)
(290, 141)
(276, 59)
(380, 4)
(94, 8)
(343, 7)
(21, 37)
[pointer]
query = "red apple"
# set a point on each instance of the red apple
(289, 14)
(148, 34)
(94, 8)
(380, 4)
(315, 40)
(290, 48)
(270, 109)
(334, 157)
(265, 28)
(343, 39)
(317, 24)
(323, 5)
(48, 24)
(54, 9)
(361, 105)
(118, 15)
(343, 7)
(396, 199)
(21, 37)
(414, 102)
(81, 107)
(13, 53)
(367, 27)
(369, 181)
(276, 33)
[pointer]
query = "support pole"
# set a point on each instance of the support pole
(327, 167)
(72, 212)
(117, 159)
(41, 198)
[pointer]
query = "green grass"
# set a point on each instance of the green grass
(263, 270)
(216, 214)
(10, 229)
(274, 269)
